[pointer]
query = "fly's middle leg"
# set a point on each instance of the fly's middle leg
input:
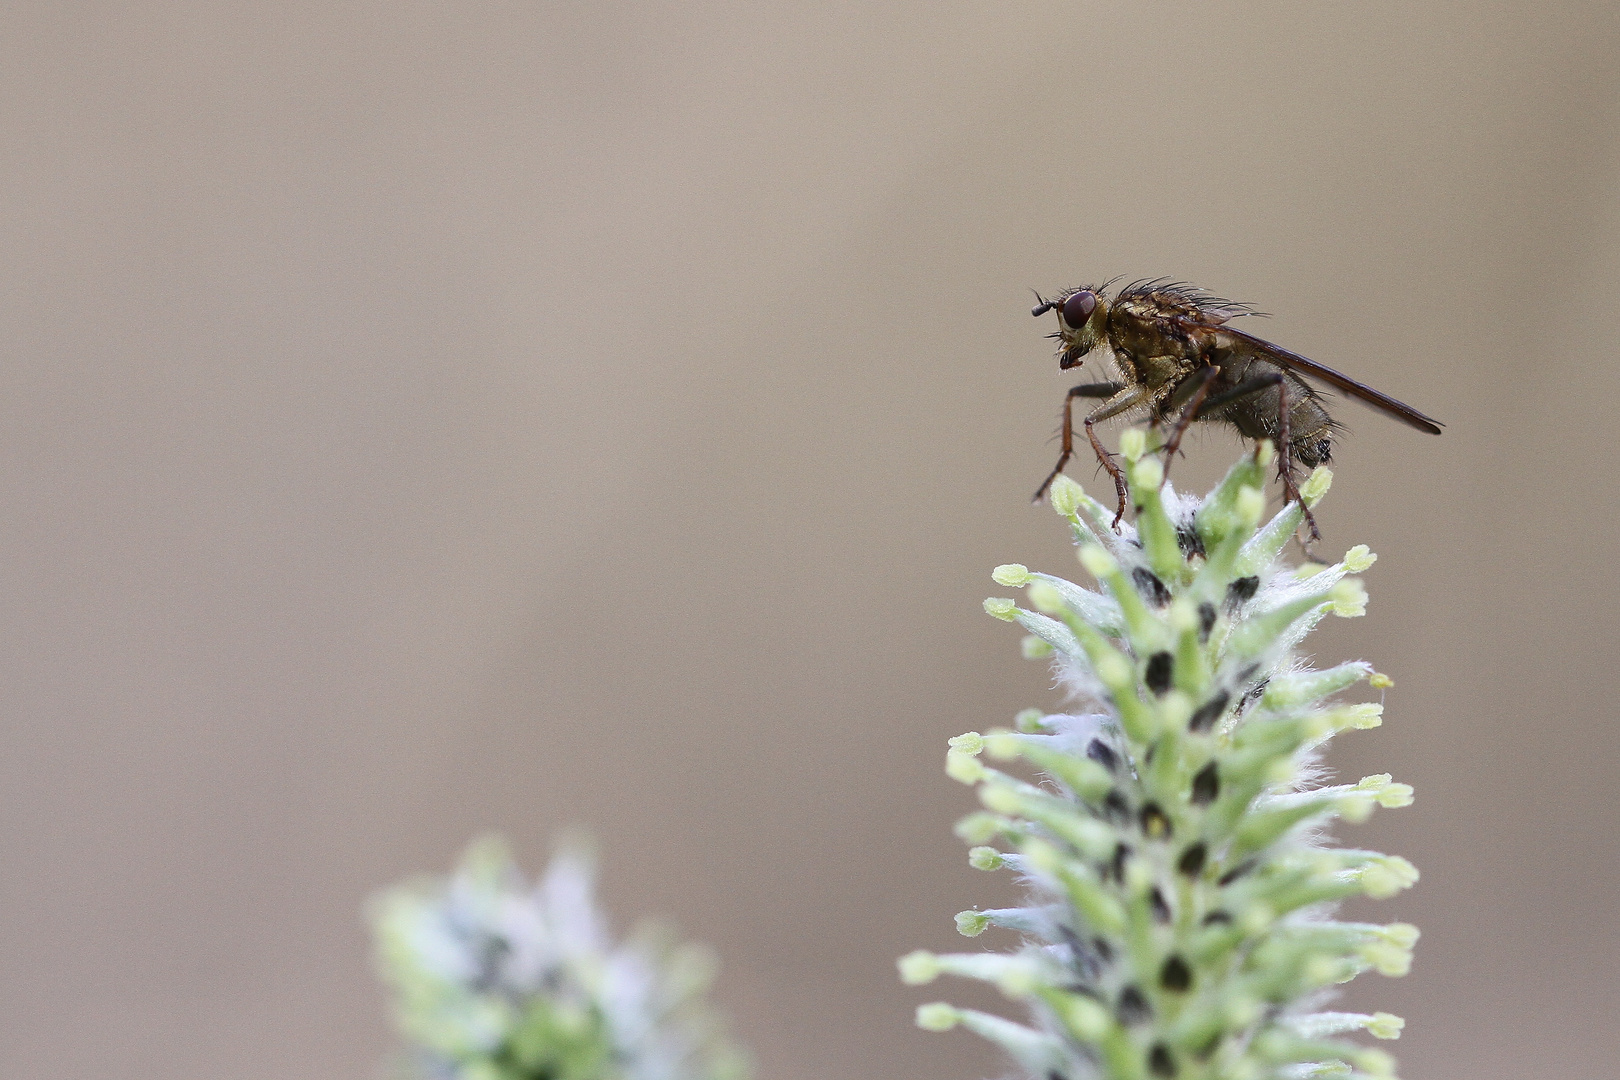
(1206, 379)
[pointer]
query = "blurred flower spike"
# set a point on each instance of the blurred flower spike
(1178, 922)
(497, 979)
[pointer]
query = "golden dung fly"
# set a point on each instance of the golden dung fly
(1177, 359)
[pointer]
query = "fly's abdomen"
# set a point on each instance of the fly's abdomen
(1256, 415)
(1310, 430)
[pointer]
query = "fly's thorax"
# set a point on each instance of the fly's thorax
(1156, 344)
(1158, 371)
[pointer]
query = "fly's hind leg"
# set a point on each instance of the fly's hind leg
(1091, 390)
(1285, 456)
(1285, 465)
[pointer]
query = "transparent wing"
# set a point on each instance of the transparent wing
(1239, 341)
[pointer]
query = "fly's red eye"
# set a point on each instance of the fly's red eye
(1078, 308)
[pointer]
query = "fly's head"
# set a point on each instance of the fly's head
(1082, 322)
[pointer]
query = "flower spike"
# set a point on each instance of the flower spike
(1178, 918)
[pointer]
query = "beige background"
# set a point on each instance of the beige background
(421, 419)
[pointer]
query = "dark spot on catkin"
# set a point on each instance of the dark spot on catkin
(1206, 785)
(1252, 695)
(1237, 871)
(1105, 951)
(1157, 676)
(1158, 906)
(1116, 865)
(1115, 808)
(1204, 717)
(1133, 1008)
(1217, 918)
(1160, 1063)
(1206, 620)
(1190, 543)
(1152, 589)
(1175, 975)
(1103, 754)
(1155, 825)
(1088, 964)
(1191, 862)
(1241, 590)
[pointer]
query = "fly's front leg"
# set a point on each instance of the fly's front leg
(1206, 379)
(1093, 390)
(1127, 398)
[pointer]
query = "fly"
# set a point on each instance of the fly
(1177, 359)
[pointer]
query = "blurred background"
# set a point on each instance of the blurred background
(420, 420)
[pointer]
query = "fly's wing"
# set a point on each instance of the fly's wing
(1241, 342)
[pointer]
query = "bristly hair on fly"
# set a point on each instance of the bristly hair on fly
(1190, 295)
(1165, 293)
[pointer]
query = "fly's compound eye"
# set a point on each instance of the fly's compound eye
(1078, 308)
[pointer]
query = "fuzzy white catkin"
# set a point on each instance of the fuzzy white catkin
(1174, 842)
(495, 978)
